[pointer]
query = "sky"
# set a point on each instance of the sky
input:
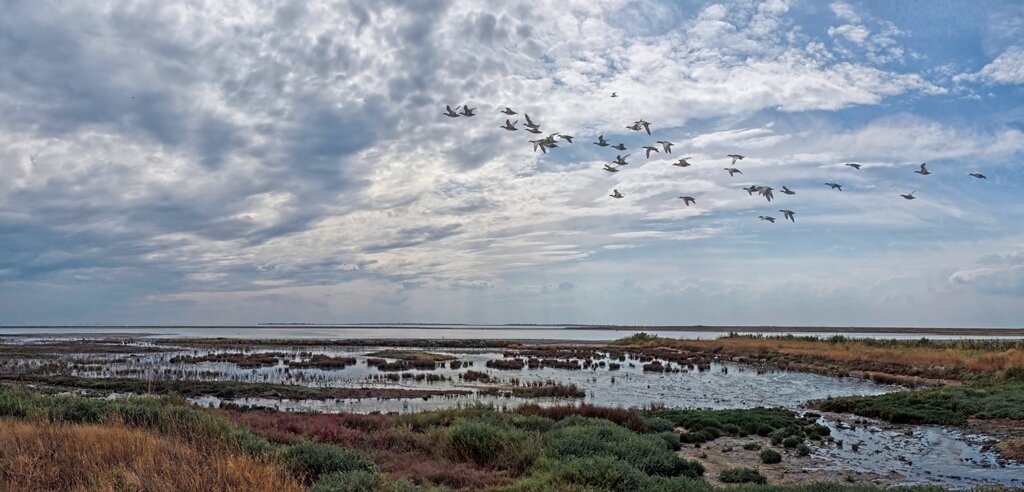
(234, 162)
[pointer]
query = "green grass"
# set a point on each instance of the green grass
(741, 475)
(948, 405)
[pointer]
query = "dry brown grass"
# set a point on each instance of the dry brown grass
(39, 456)
(949, 357)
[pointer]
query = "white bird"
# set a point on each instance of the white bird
(619, 146)
(451, 113)
(787, 191)
(923, 171)
(978, 175)
(616, 194)
(853, 165)
(666, 145)
(768, 218)
(649, 149)
(601, 141)
(909, 196)
(683, 162)
(735, 157)
(610, 169)
(733, 171)
(468, 111)
(621, 160)
(788, 215)
(510, 126)
(509, 111)
(688, 200)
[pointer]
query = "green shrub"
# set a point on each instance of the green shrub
(492, 444)
(587, 438)
(791, 441)
(658, 424)
(352, 481)
(671, 439)
(803, 450)
(600, 473)
(741, 475)
(770, 456)
(312, 460)
(751, 446)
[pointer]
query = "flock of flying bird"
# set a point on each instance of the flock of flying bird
(551, 141)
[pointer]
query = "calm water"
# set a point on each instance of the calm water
(460, 332)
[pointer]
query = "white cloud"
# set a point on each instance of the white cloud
(1007, 68)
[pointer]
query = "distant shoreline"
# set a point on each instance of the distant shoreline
(650, 328)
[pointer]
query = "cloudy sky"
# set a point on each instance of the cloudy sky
(273, 161)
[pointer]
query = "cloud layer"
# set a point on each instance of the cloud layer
(289, 161)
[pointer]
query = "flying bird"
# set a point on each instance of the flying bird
(621, 160)
(468, 111)
(978, 175)
(510, 126)
(541, 144)
(615, 94)
(735, 157)
(666, 145)
(766, 217)
(509, 111)
(853, 165)
(649, 149)
(530, 123)
(533, 130)
(451, 113)
(835, 186)
(910, 196)
(601, 141)
(688, 200)
(610, 169)
(787, 191)
(646, 125)
(733, 171)
(788, 214)
(683, 162)
(923, 171)
(619, 146)
(766, 191)
(567, 138)
(635, 126)
(616, 194)
(750, 189)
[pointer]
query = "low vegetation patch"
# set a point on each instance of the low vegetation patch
(949, 405)
(770, 456)
(742, 475)
(322, 361)
(250, 360)
(777, 423)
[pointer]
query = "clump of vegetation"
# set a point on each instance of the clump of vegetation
(492, 444)
(506, 364)
(752, 446)
(803, 450)
(707, 425)
(770, 456)
(412, 355)
(637, 339)
(742, 475)
(311, 460)
(322, 361)
(547, 389)
(255, 359)
(478, 376)
(948, 405)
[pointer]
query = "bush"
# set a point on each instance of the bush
(658, 424)
(770, 456)
(492, 444)
(671, 439)
(741, 475)
(601, 473)
(353, 481)
(751, 446)
(791, 441)
(578, 438)
(312, 460)
(803, 450)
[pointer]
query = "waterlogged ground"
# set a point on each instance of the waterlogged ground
(870, 452)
